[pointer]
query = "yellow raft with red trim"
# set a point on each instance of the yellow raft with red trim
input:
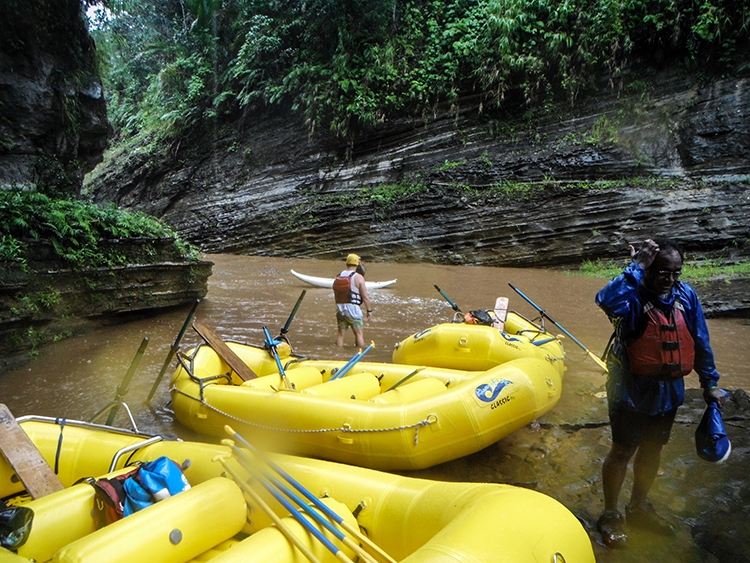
(391, 518)
(379, 415)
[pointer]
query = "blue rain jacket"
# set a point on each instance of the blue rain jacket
(622, 301)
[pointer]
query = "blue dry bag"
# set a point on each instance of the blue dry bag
(711, 440)
(157, 480)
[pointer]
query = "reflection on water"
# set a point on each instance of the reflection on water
(78, 377)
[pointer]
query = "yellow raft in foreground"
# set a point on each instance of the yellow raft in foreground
(379, 415)
(459, 345)
(409, 520)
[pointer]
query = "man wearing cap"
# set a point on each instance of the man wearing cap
(350, 292)
(660, 336)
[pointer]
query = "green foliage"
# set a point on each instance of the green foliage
(52, 178)
(450, 165)
(387, 195)
(347, 64)
(694, 272)
(75, 228)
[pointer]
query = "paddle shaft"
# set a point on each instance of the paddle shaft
(173, 351)
(350, 364)
(558, 325)
(449, 300)
(248, 464)
(292, 510)
(123, 388)
(291, 536)
(285, 328)
(405, 379)
(375, 550)
(272, 346)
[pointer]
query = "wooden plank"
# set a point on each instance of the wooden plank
(501, 313)
(25, 459)
(225, 352)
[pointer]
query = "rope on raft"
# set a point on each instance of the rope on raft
(431, 419)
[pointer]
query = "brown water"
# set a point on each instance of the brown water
(79, 376)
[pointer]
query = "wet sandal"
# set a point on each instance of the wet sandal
(610, 526)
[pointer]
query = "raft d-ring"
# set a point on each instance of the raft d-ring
(550, 382)
(432, 418)
(558, 558)
(346, 427)
(463, 341)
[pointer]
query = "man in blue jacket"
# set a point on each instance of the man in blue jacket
(660, 336)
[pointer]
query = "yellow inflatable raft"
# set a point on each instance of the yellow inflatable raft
(379, 415)
(380, 518)
(459, 345)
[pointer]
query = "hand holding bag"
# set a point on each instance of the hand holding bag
(711, 440)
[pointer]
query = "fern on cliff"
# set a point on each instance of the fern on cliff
(75, 229)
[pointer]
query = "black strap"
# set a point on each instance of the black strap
(61, 422)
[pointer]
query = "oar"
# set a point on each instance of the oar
(285, 328)
(293, 511)
(553, 321)
(404, 380)
(373, 547)
(291, 536)
(266, 479)
(123, 388)
(448, 299)
(173, 350)
(271, 344)
(350, 364)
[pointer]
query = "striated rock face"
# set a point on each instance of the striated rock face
(47, 300)
(484, 189)
(53, 117)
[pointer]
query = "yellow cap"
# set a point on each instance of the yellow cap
(352, 260)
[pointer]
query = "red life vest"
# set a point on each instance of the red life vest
(342, 289)
(666, 348)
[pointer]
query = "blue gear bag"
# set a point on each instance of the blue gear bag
(711, 440)
(157, 480)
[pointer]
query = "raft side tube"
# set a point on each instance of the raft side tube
(176, 529)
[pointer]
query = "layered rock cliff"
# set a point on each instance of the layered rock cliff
(466, 187)
(53, 117)
(54, 129)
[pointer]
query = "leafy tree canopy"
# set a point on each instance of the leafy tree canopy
(171, 65)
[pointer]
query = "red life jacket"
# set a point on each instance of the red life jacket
(666, 348)
(342, 289)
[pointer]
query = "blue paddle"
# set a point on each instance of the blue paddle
(449, 300)
(350, 364)
(264, 477)
(245, 486)
(271, 345)
(311, 497)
